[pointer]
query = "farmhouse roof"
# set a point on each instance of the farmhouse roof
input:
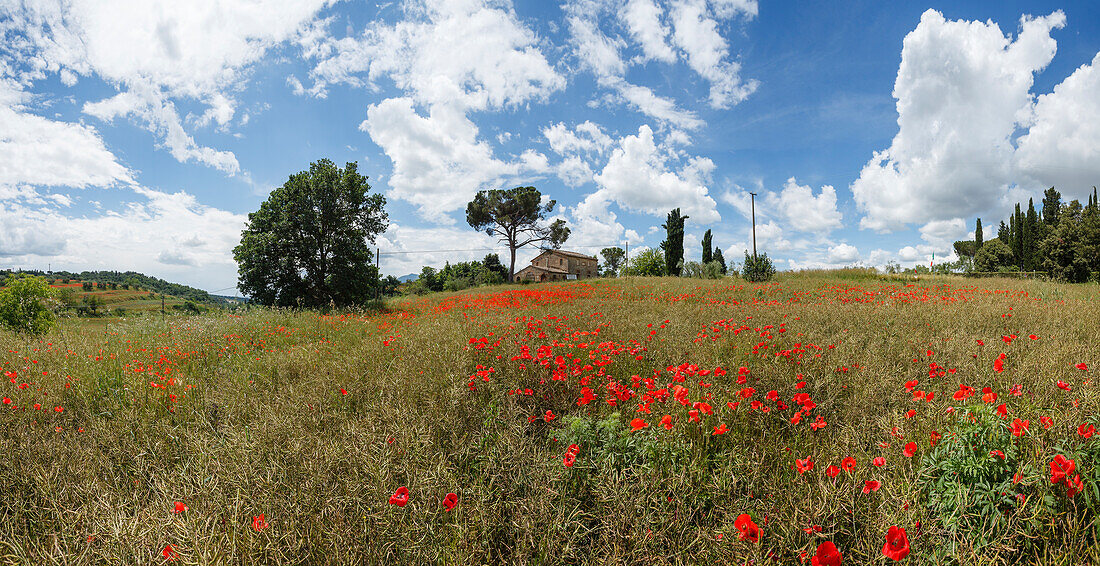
(566, 253)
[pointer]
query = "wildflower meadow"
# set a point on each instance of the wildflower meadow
(823, 418)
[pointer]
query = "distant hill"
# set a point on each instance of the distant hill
(409, 277)
(133, 279)
(231, 298)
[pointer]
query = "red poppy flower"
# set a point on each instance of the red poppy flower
(804, 465)
(1016, 478)
(569, 459)
(666, 421)
(819, 423)
(749, 530)
(999, 364)
(343, 391)
(963, 392)
(180, 508)
(450, 501)
(7, 401)
(693, 416)
(573, 449)
(258, 522)
(1086, 432)
(910, 449)
(1083, 366)
(988, 396)
(897, 544)
(827, 555)
(910, 413)
(1060, 468)
(996, 454)
(911, 384)
(549, 416)
(1017, 390)
(637, 424)
(1033, 337)
(880, 461)
(1019, 427)
(400, 497)
(1047, 422)
(1074, 486)
(871, 485)
(1003, 410)
(848, 463)
(720, 429)
(832, 471)
(169, 553)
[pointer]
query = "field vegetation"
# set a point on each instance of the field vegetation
(631, 420)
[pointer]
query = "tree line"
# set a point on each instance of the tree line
(309, 244)
(1059, 239)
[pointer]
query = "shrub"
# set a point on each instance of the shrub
(709, 270)
(968, 489)
(757, 269)
(650, 263)
(24, 304)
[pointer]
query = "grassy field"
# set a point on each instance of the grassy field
(315, 422)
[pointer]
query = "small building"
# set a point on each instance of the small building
(559, 265)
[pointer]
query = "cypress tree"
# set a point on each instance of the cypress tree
(1017, 226)
(1052, 206)
(1031, 239)
(707, 255)
(978, 236)
(673, 245)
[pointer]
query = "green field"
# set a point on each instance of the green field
(315, 421)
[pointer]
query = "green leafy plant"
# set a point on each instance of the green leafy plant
(757, 268)
(25, 304)
(968, 477)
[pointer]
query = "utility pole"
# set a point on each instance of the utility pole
(626, 266)
(753, 196)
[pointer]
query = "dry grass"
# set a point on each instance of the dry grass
(258, 424)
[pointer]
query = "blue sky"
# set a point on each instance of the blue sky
(873, 132)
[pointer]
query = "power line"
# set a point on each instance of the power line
(469, 250)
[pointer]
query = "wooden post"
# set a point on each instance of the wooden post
(753, 196)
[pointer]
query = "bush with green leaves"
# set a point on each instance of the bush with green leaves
(967, 477)
(984, 485)
(25, 304)
(757, 268)
(649, 263)
(709, 270)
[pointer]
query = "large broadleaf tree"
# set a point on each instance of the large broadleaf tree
(516, 217)
(309, 243)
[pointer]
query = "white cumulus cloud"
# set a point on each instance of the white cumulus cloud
(961, 89)
(640, 176)
(1062, 145)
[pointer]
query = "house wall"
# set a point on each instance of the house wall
(582, 268)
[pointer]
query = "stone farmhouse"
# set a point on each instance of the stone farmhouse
(559, 265)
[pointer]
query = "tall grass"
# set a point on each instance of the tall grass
(238, 416)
